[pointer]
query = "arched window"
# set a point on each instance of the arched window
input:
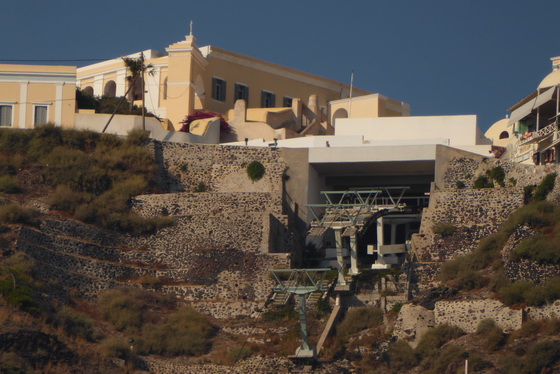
(504, 135)
(88, 90)
(339, 113)
(110, 89)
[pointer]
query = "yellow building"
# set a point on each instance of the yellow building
(32, 95)
(189, 78)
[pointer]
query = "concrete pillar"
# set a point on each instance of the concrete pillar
(379, 232)
(353, 255)
(313, 104)
(339, 256)
(23, 105)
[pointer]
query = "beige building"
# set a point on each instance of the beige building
(32, 95)
(189, 78)
(531, 134)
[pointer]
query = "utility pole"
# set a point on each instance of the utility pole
(143, 93)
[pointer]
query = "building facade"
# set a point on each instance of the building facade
(531, 134)
(32, 95)
(188, 78)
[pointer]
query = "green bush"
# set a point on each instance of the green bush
(498, 174)
(539, 248)
(137, 137)
(401, 356)
(201, 187)
(526, 292)
(431, 342)
(16, 284)
(544, 188)
(492, 335)
(283, 313)
(445, 229)
(45, 138)
(483, 182)
(9, 184)
(462, 273)
(528, 193)
(515, 292)
(15, 141)
(255, 171)
(13, 213)
(359, 319)
(396, 308)
(460, 185)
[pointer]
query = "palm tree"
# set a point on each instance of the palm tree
(137, 68)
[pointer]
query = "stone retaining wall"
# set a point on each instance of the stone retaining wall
(216, 255)
(468, 314)
(181, 167)
(475, 214)
(467, 170)
(204, 203)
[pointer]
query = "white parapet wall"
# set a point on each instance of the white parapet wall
(123, 124)
(456, 131)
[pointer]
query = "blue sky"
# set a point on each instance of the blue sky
(443, 57)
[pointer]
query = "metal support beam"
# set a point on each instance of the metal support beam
(305, 350)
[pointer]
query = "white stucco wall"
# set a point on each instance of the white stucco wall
(122, 124)
(454, 130)
(369, 154)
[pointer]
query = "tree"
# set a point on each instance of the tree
(137, 69)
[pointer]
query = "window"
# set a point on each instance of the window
(287, 102)
(40, 114)
(5, 115)
(268, 99)
(504, 135)
(218, 89)
(242, 92)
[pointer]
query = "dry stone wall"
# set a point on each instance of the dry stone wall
(525, 269)
(474, 213)
(466, 170)
(216, 255)
(182, 167)
(467, 314)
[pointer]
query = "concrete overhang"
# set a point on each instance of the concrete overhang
(378, 154)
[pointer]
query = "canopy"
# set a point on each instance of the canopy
(531, 105)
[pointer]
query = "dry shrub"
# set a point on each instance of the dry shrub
(9, 184)
(186, 332)
(74, 323)
(431, 342)
(401, 356)
(492, 334)
(13, 213)
(359, 319)
(122, 309)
